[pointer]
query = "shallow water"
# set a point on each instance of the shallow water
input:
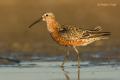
(52, 71)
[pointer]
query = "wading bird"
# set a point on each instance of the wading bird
(71, 36)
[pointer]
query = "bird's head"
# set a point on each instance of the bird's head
(48, 16)
(45, 17)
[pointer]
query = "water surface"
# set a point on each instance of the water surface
(52, 71)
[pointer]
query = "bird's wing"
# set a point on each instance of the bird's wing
(95, 33)
(70, 32)
(76, 33)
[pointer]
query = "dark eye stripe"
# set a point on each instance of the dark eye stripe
(46, 14)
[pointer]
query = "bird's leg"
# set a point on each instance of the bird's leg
(78, 56)
(65, 57)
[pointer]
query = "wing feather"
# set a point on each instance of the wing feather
(77, 33)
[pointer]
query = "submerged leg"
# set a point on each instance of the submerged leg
(78, 74)
(78, 56)
(65, 57)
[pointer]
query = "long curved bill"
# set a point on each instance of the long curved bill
(35, 22)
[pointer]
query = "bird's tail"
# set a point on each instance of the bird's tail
(101, 35)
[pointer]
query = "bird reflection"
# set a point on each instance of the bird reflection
(67, 74)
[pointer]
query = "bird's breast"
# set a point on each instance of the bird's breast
(64, 42)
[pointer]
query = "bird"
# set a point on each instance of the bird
(70, 35)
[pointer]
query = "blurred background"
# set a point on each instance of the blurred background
(17, 15)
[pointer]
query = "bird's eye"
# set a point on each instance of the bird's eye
(46, 14)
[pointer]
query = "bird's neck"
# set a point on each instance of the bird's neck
(52, 25)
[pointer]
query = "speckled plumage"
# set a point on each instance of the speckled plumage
(81, 37)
